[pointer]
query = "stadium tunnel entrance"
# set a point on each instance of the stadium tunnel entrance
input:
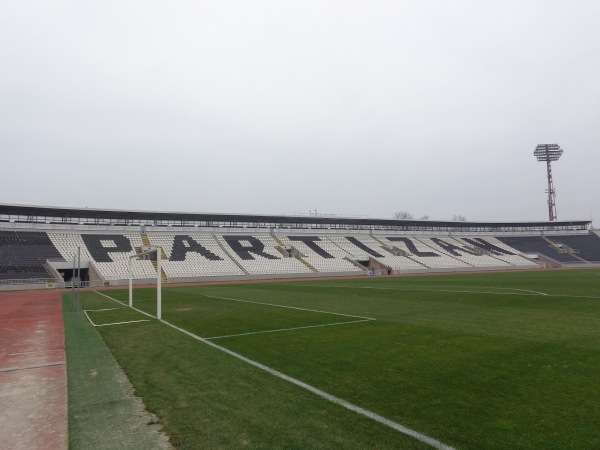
(68, 274)
(374, 266)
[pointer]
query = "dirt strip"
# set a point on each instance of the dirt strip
(33, 378)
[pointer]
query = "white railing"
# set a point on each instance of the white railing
(19, 281)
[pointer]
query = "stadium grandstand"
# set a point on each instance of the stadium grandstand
(46, 246)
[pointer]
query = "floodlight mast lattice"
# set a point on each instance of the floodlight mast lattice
(548, 153)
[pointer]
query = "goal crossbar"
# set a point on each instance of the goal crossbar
(158, 252)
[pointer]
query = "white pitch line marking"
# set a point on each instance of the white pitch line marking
(289, 307)
(573, 296)
(338, 401)
(88, 317)
(127, 306)
(456, 290)
(408, 288)
(290, 329)
(105, 309)
(121, 323)
(415, 288)
(523, 290)
(109, 309)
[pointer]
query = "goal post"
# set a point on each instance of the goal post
(158, 252)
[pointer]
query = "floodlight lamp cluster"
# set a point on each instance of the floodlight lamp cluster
(548, 152)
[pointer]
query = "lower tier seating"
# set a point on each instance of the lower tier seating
(585, 246)
(538, 245)
(23, 254)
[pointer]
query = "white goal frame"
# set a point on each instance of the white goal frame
(158, 278)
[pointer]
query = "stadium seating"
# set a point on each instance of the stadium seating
(258, 256)
(538, 245)
(321, 253)
(586, 246)
(498, 250)
(424, 254)
(462, 252)
(355, 245)
(24, 253)
(197, 255)
(108, 253)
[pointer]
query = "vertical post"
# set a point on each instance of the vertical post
(158, 284)
(73, 275)
(78, 286)
(78, 267)
(551, 193)
(130, 283)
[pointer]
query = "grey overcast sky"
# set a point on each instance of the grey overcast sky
(347, 107)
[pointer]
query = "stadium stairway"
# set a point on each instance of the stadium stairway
(383, 244)
(163, 256)
(567, 249)
(306, 263)
(229, 255)
(163, 276)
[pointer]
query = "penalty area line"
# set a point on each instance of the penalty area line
(290, 329)
(289, 307)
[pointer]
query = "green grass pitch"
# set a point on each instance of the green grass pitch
(479, 361)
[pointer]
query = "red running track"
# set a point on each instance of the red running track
(33, 377)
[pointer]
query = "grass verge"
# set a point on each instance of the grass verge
(103, 412)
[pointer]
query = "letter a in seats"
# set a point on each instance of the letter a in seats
(412, 247)
(182, 245)
(244, 251)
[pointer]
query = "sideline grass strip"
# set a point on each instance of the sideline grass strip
(103, 412)
(207, 399)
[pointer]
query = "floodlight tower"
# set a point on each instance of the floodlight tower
(549, 153)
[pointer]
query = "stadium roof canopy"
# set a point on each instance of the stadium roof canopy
(65, 215)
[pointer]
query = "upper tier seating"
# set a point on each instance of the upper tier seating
(24, 253)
